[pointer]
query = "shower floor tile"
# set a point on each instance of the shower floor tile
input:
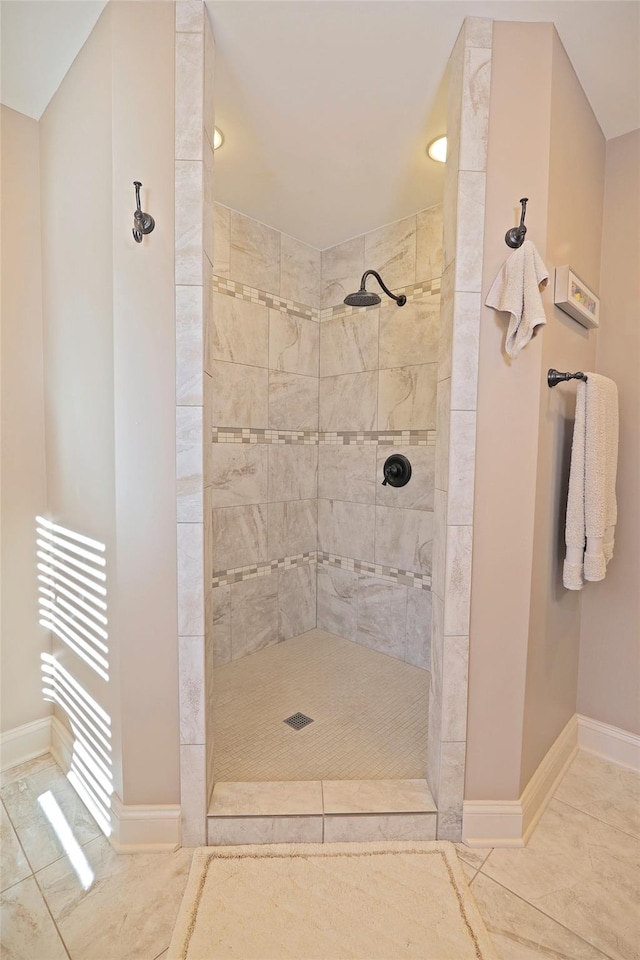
(369, 714)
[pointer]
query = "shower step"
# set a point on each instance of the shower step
(316, 811)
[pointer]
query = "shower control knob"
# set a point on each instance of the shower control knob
(397, 470)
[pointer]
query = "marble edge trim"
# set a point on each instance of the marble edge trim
(398, 438)
(241, 291)
(223, 578)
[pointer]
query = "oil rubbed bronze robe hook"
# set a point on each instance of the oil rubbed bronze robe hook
(515, 237)
(143, 223)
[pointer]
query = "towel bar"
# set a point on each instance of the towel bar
(554, 377)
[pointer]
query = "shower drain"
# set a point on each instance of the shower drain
(298, 721)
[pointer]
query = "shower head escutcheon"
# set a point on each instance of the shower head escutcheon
(366, 298)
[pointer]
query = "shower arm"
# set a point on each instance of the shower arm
(401, 300)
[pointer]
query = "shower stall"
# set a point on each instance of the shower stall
(323, 609)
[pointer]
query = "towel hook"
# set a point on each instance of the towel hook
(554, 377)
(143, 223)
(515, 237)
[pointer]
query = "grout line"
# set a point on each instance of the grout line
(597, 819)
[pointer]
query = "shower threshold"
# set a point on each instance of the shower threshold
(320, 811)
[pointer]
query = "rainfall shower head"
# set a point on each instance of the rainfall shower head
(363, 298)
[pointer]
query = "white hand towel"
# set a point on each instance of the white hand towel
(516, 289)
(591, 502)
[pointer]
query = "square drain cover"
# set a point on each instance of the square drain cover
(298, 721)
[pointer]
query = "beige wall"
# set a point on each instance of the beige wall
(109, 368)
(524, 625)
(23, 463)
(609, 676)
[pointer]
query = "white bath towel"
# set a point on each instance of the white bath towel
(591, 502)
(516, 290)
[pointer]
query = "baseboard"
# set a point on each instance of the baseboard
(609, 743)
(510, 823)
(61, 744)
(25, 743)
(137, 828)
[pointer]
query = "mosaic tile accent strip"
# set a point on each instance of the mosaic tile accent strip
(420, 580)
(397, 438)
(413, 291)
(241, 291)
(223, 578)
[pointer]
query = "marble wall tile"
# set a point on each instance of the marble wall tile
(189, 464)
(189, 51)
(225, 831)
(451, 789)
(240, 395)
(464, 351)
(293, 527)
(470, 212)
(429, 243)
(409, 334)
(27, 927)
(193, 794)
(404, 538)
(349, 472)
(293, 471)
(418, 493)
(462, 453)
(190, 579)
(239, 474)
(445, 339)
(239, 331)
(454, 688)
(450, 208)
(239, 536)
(346, 529)
(15, 866)
(349, 344)
(478, 32)
(205, 358)
(293, 344)
(189, 340)
(443, 432)
(207, 527)
(188, 221)
(208, 110)
(458, 581)
(208, 242)
(434, 745)
(342, 269)
(254, 615)
(255, 253)
(221, 240)
(296, 601)
(407, 397)
(437, 643)
(299, 272)
(221, 625)
(349, 402)
(382, 616)
(391, 250)
(338, 601)
(191, 689)
(293, 401)
(393, 826)
(189, 16)
(419, 612)
(475, 109)
(439, 543)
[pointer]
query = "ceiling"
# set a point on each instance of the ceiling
(327, 106)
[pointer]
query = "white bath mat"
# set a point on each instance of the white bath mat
(359, 901)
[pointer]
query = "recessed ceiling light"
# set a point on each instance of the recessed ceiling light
(437, 149)
(218, 138)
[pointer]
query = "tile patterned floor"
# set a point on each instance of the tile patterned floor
(571, 894)
(370, 714)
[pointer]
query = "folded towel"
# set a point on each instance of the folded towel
(516, 289)
(591, 502)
